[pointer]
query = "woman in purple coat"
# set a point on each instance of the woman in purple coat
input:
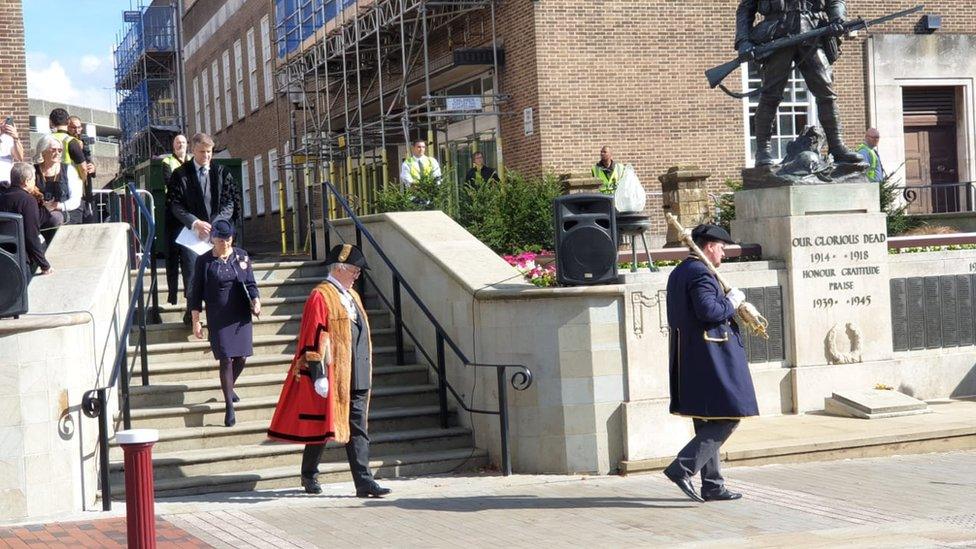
(225, 281)
(710, 379)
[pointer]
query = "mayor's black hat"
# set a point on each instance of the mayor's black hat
(221, 228)
(711, 232)
(347, 253)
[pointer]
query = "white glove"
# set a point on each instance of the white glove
(322, 386)
(735, 297)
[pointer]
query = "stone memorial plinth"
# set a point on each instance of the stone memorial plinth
(833, 239)
(685, 196)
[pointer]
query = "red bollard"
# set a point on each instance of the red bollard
(140, 507)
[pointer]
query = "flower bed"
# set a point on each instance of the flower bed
(538, 273)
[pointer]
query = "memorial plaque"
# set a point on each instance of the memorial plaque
(774, 314)
(964, 307)
(899, 314)
(757, 346)
(933, 313)
(916, 313)
(838, 268)
(950, 328)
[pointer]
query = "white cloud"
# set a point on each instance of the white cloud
(48, 79)
(90, 64)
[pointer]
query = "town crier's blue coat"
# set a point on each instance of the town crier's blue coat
(709, 374)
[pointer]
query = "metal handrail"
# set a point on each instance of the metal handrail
(957, 193)
(94, 403)
(520, 380)
(117, 212)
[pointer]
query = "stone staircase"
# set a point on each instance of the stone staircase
(196, 454)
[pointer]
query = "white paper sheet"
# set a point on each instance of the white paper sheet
(190, 240)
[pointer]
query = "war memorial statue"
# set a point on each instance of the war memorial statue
(804, 34)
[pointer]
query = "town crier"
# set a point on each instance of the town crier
(326, 393)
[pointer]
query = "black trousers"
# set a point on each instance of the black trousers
(174, 253)
(701, 454)
(357, 449)
(187, 260)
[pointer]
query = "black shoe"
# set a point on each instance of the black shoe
(187, 319)
(764, 157)
(685, 485)
(372, 491)
(229, 418)
(724, 495)
(842, 155)
(311, 486)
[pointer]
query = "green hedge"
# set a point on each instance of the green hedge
(508, 217)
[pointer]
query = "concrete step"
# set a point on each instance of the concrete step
(173, 332)
(262, 345)
(252, 385)
(169, 373)
(268, 288)
(255, 432)
(248, 457)
(198, 414)
(274, 306)
(262, 271)
(401, 465)
(273, 287)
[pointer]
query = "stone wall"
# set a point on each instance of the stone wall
(65, 345)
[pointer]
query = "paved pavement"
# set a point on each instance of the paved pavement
(924, 500)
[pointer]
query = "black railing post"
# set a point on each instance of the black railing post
(361, 282)
(442, 379)
(154, 317)
(143, 348)
(103, 450)
(124, 394)
(398, 322)
(327, 237)
(503, 422)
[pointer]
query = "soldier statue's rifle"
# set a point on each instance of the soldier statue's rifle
(717, 74)
(747, 312)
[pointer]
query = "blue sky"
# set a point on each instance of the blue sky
(69, 50)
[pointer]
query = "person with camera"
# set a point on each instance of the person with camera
(11, 149)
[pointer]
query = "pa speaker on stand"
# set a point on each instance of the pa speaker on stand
(586, 239)
(13, 266)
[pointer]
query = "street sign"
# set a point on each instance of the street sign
(131, 16)
(466, 103)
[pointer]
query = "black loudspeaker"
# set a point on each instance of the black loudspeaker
(13, 266)
(586, 239)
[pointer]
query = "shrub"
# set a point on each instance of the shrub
(899, 222)
(726, 205)
(510, 216)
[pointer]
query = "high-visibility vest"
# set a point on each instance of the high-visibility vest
(415, 167)
(172, 162)
(608, 183)
(66, 140)
(873, 162)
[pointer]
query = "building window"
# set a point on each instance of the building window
(215, 78)
(239, 77)
(252, 66)
(259, 184)
(273, 178)
(196, 105)
(266, 56)
(289, 178)
(246, 188)
(228, 106)
(205, 86)
(796, 111)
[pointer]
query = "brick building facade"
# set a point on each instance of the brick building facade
(624, 73)
(13, 69)
(233, 42)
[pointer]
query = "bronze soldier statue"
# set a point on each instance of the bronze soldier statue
(782, 18)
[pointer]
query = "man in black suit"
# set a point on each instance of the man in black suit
(199, 192)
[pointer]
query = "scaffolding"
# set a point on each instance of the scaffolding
(147, 84)
(357, 75)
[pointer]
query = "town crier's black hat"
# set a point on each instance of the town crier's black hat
(347, 253)
(711, 232)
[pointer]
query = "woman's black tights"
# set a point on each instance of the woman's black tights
(230, 370)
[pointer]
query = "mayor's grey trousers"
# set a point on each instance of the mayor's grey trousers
(701, 454)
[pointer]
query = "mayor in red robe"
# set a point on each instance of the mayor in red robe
(325, 395)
